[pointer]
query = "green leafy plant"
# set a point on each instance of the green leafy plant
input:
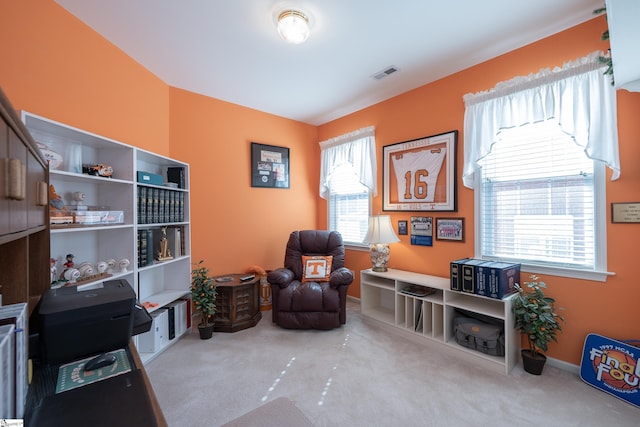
(606, 60)
(535, 315)
(203, 293)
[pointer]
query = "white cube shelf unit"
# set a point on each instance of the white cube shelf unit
(431, 316)
(159, 283)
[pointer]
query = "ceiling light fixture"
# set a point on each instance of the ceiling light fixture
(293, 26)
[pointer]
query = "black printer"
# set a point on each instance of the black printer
(78, 321)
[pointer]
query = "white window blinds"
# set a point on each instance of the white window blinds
(537, 199)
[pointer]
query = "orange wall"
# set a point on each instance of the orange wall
(55, 66)
(59, 68)
(608, 308)
(236, 225)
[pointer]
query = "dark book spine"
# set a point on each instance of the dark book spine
(139, 249)
(142, 205)
(161, 205)
(156, 204)
(171, 201)
(183, 238)
(143, 248)
(149, 207)
(149, 246)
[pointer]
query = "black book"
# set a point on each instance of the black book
(149, 207)
(142, 207)
(176, 175)
(161, 205)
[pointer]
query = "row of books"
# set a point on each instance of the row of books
(160, 205)
(169, 322)
(149, 244)
(491, 279)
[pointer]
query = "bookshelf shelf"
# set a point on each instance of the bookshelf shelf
(158, 282)
(431, 316)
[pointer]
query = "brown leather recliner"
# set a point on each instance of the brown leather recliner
(310, 305)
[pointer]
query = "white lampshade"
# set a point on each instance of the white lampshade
(379, 235)
(380, 230)
(293, 26)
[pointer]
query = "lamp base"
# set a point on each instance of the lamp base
(379, 253)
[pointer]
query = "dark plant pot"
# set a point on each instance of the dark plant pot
(206, 332)
(533, 362)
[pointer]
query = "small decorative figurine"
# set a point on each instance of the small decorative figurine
(78, 197)
(69, 262)
(86, 269)
(54, 270)
(101, 267)
(124, 265)
(67, 266)
(111, 265)
(164, 253)
(55, 200)
(98, 170)
(71, 275)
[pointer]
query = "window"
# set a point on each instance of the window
(349, 205)
(535, 149)
(538, 199)
(347, 181)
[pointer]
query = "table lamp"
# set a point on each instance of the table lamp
(379, 235)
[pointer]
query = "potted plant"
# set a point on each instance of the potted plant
(203, 295)
(535, 317)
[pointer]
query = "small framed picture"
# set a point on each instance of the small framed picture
(422, 230)
(402, 228)
(269, 166)
(450, 229)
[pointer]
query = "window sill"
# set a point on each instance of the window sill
(356, 247)
(596, 276)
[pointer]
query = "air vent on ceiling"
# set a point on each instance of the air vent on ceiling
(384, 73)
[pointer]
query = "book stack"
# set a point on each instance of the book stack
(159, 205)
(149, 244)
(145, 248)
(492, 279)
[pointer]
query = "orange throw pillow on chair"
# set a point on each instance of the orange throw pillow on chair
(316, 268)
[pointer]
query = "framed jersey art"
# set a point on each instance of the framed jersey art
(420, 175)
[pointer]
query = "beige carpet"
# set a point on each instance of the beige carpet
(364, 374)
(280, 412)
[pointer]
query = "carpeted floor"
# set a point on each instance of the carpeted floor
(364, 374)
(280, 412)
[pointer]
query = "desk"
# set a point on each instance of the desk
(81, 407)
(237, 304)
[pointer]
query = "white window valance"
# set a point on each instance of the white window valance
(357, 148)
(578, 97)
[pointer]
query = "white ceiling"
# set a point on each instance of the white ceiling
(230, 49)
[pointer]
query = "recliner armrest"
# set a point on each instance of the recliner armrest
(281, 277)
(341, 276)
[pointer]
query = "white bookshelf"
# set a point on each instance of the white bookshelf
(159, 283)
(431, 317)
